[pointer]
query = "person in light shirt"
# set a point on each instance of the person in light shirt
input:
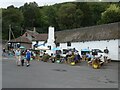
(18, 57)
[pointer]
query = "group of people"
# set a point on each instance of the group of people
(72, 56)
(96, 61)
(23, 57)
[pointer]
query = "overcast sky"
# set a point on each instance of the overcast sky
(6, 3)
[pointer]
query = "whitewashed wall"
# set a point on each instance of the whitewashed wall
(119, 49)
(111, 44)
(63, 45)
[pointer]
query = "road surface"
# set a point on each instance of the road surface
(51, 75)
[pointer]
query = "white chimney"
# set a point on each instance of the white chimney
(34, 29)
(51, 37)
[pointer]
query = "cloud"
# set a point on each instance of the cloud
(6, 3)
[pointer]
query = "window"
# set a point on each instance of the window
(33, 37)
(65, 51)
(119, 46)
(49, 47)
(26, 35)
(58, 44)
(68, 43)
(36, 42)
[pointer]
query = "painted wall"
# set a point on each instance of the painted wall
(119, 49)
(111, 44)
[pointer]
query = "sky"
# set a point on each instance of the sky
(16, 3)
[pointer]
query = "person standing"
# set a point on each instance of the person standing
(106, 55)
(106, 50)
(23, 57)
(4, 51)
(28, 56)
(18, 56)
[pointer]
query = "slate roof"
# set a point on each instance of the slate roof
(40, 37)
(32, 33)
(36, 36)
(22, 39)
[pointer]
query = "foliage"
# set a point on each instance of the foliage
(69, 16)
(62, 16)
(13, 17)
(31, 14)
(96, 10)
(85, 8)
(111, 14)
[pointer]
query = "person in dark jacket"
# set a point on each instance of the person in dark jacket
(106, 50)
(28, 56)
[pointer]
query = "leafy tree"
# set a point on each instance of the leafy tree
(87, 13)
(112, 14)
(11, 6)
(49, 17)
(32, 16)
(69, 16)
(96, 9)
(11, 16)
(62, 16)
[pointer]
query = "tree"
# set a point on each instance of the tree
(11, 6)
(11, 16)
(96, 9)
(87, 13)
(32, 16)
(49, 17)
(69, 16)
(112, 14)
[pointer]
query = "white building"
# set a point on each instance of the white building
(94, 37)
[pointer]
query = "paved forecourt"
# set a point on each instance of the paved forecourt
(52, 75)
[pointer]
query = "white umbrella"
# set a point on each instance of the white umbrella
(42, 48)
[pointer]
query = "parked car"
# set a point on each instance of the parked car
(97, 52)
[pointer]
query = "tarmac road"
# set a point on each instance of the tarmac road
(52, 75)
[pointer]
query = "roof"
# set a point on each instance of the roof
(36, 36)
(32, 33)
(99, 32)
(22, 39)
(93, 33)
(40, 37)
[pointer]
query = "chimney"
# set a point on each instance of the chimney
(51, 37)
(34, 29)
(51, 34)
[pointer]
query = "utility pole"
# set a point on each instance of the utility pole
(9, 32)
